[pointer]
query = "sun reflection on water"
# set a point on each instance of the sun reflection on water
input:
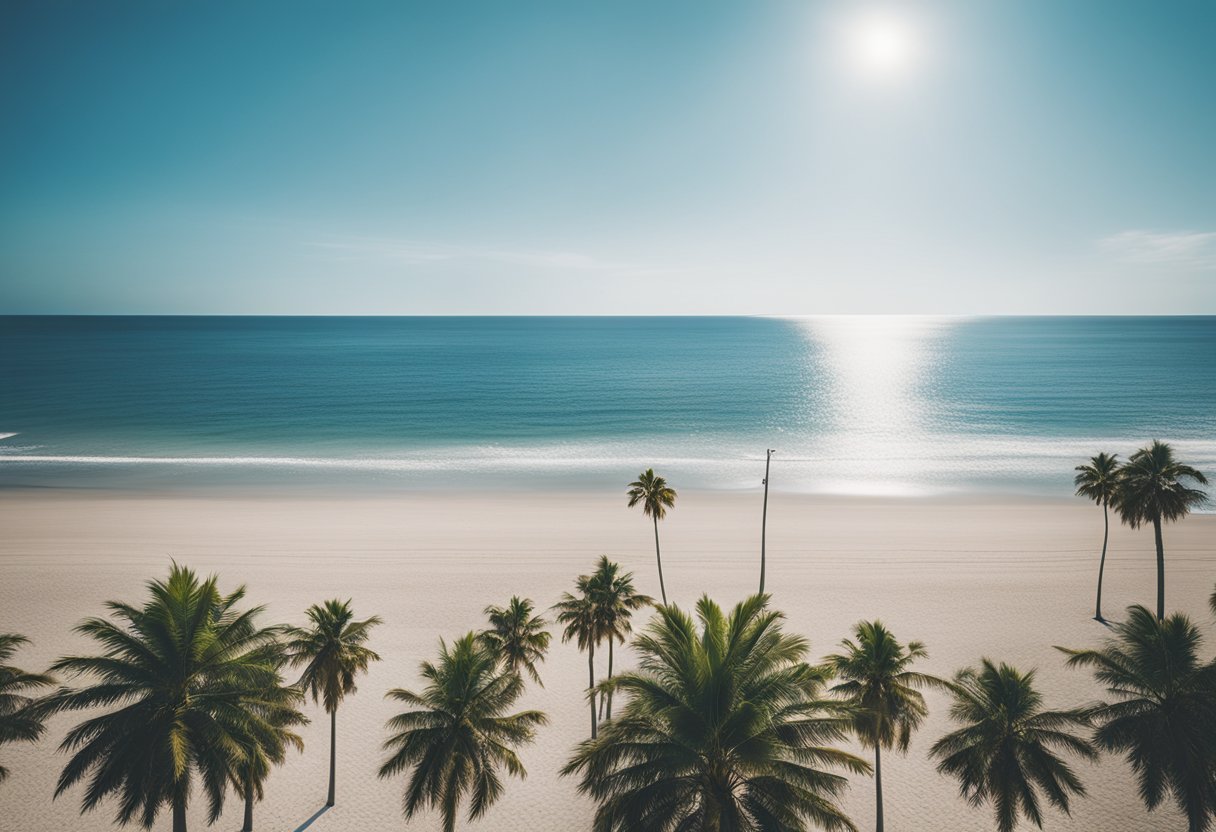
(879, 424)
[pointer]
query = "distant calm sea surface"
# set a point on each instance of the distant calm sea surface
(865, 405)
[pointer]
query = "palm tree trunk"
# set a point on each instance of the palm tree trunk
(591, 687)
(609, 695)
(248, 825)
(1160, 569)
(1102, 563)
(333, 756)
(878, 785)
(605, 697)
(659, 558)
(179, 810)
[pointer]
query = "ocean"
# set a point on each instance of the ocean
(896, 406)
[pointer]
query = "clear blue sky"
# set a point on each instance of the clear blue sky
(805, 157)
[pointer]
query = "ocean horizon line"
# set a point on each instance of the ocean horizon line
(642, 315)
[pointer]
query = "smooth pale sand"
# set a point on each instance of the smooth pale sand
(1002, 578)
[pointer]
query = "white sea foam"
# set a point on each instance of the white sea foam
(838, 464)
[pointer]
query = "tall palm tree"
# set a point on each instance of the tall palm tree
(1005, 753)
(1163, 713)
(618, 600)
(517, 637)
(655, 497)
(457, 737)
(882, 692)
(1099, 481)
(723, 729)
(333, 652)
(583, 619)
(19, 720)
(279, 707)
(1151, 490)
(182, 677)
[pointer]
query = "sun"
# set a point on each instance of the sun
(883, 44)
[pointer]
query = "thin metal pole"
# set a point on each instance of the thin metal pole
(768, 458)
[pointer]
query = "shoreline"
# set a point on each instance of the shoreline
(331, 492)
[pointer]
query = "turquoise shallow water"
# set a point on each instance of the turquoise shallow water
(882, 405)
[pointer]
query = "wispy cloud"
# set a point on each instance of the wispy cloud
(1186, 249)
(417, 253)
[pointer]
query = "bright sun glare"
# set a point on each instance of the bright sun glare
(884, 43)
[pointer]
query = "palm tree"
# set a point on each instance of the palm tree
(1099, 481)
(183, 677)
(333, 652)
(19, 720)
(882, 692)
(655, 497)
(584, 623)
(1151, 490)
(723, 729)
(1005, 753)
(617, 598)
(517, 637)
(280, 711)
(1163, 716)
(457, 737)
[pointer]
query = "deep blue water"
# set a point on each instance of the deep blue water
(865, 405)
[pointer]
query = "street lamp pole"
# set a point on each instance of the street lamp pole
(768, 458)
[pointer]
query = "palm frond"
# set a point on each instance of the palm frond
(190, 691)
(1002, 753)
(722, 714)
(458, 735)
(1162, 710)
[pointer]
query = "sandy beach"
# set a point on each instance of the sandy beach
(994, 576)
